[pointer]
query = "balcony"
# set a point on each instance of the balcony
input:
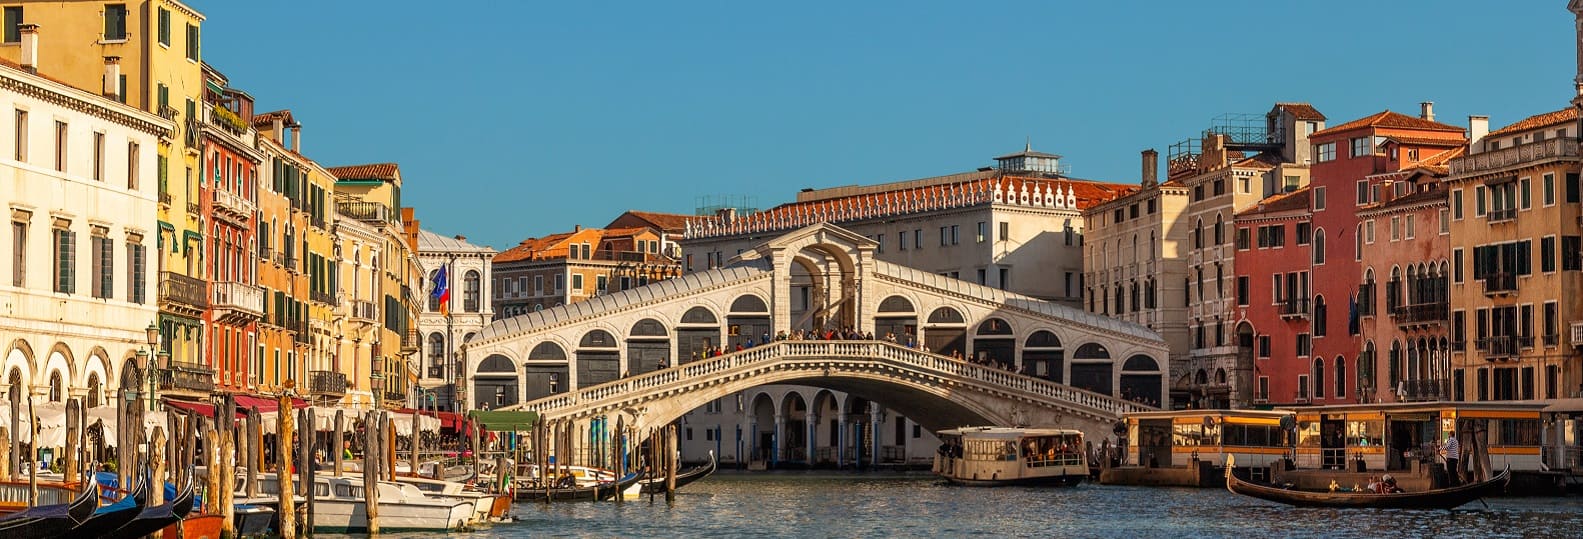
(368, 212)
(300, 333)
(1577, 333)
(1501, 215)
(186, 378)
(410, 343)
(1294, 308)
(1425, 390)
(180, 293)
(1500, 284)
(325, 297)
(232, 207)
(1422, 314)
(1498, 347)
(326, 383)
(164, 198)
(237, 302)
(195, 209)
(1520, 155)
(362, 309)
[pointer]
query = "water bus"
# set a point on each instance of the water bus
(999, 456)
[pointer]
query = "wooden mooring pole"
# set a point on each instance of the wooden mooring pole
(288, 499)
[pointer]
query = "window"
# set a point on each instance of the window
(102, 261)
(954, 234)
(18, 253)
(1524, 188)
(1363, 192)
(115, 22)
(1242, 239)
(538, 284)
(1396, 228)
(1445, 222)
(901, 240)
(601, 284)
(1549, 194)
(65, 245)
(60, 146)
(21, 135)
(1456, 265)
(1242, 290)
(470, 290)
(192, 42)
(1304, 344)
(1005, 231)
(1319, 246)
(1547, 254)
(98, 156)
(1570, 187)
(1361, 148)
(577, 282)
(1303, 233)
(133, 159)
(13, 24)
(1319, 199)
(1456, 205)
(983, 233)
(1411, 230)
(917, 238)
(1478, 201)
(1319, 378)
(1325, 152)
(1264, 346)
(981, 276)
(164, 27)
(944, 236)
(560, 282)
(1571, 253)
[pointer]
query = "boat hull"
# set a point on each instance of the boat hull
(1040, 481)
(195, 527)
(1446, 498)
(347, 516)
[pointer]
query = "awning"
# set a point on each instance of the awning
(504, 421)
(448, 420)
(246, 402)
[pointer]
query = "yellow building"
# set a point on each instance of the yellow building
(147, 52)
(1516, 260)
(372, 194)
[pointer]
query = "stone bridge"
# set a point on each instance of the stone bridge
(962, 353)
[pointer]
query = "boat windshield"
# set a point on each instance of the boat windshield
(1057, 450)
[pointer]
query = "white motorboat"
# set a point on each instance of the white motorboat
(340, 507)
(997, 456)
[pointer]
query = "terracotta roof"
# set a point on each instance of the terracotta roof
(1537, 121)
(1264, 160)
(1280, 202)
(667, 222)
(268, 118)
(1442, 159)
(535, 248)
(373, 171)
(1415, 198)
(623, 232)
(1388, 119)
(1301, 111)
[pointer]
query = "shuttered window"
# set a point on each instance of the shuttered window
(137, 272)
(65, 261)
(102, 260)
(115, 22)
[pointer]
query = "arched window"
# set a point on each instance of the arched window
(1319, 246)
(1198, 235)
(1319, 378)
(1341, 377)
(434, 299)
(470, 292)
(1321, 323)
(55, 387)
(1220, 235)
(95, 392)
(436, 354)
(1357, 243)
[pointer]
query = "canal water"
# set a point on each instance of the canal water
(815, 504)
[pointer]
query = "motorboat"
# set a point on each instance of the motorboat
(486, 507)
(1005, 456)
(339, 506)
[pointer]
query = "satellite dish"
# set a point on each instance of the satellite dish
(1287, 423)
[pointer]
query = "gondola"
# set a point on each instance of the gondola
(159, 517)
(108, 518)
(602, 491)
(657, 485)
(1444, 498)
(52, 520)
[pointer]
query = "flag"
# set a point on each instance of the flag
(442, 290)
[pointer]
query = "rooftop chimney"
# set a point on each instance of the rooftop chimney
(1151, 167)
(277, 126)
(1478, 127)
(296, 137)
(29, 47)
(460, 237)
(112, 77)
(1426, 110)
(577, 228)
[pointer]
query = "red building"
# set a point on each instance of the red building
(1272, 292)
(1345, 157)
(228, 203)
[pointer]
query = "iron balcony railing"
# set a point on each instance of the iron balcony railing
(1422, 313)
(321, 296)
(1499, 347)
(178, 288)
(1294, 308)
(183, 376)
(326, 383)
(1500, 283)
(1426, 390)
(1501, 215)
(368, 212)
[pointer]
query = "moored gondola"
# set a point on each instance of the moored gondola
(656, 485)
(1443, 498)
(108, 518)
(602, 491)
(156, 518)
(51, 520)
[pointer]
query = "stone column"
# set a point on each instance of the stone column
(840, 441)
(813, 436)
(874, 412)
(780, 438)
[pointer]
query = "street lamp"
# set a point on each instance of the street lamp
(151, 336)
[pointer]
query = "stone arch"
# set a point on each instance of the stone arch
(896, 320)
(806, 287)
(1201, 377)
(648, 346)
(845, 265)
(1142, 380)
(1093, 369)
(795, 415)
(495, 382)
(472, 289)
(598, 358)
(698, 334)
(1043, 356)
(59, 357)
(749, 303)
(699, 315)
(20, 359)
(546, 351)
(748, 321)
(1220, 376)
(761, 411)
(995, 343)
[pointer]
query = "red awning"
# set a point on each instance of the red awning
(448, 420)
(243, 404)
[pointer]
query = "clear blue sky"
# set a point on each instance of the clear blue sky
(519, 119)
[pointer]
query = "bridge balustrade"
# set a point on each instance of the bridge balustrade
(861, 350)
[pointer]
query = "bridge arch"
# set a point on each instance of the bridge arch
(1092, 368)
(1142, 379)
(648, 346)
(945, 332)
(697, 334)
(1043, 356)
(827, 253)
(995, 343)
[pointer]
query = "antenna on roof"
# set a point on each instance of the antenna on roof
(1027, 144)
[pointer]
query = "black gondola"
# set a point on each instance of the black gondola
(1443, 498)
(52, 520)
(109, 517)
(602, 491)
(159, 517)
(657, 485)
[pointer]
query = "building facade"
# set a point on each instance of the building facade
(1222, 178)
(371, 193)
(78, 293)
(228, 191)
(1516, 261)
(558, 269)
(1274, 253)
(470, 278)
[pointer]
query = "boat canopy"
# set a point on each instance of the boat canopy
(504, 420)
